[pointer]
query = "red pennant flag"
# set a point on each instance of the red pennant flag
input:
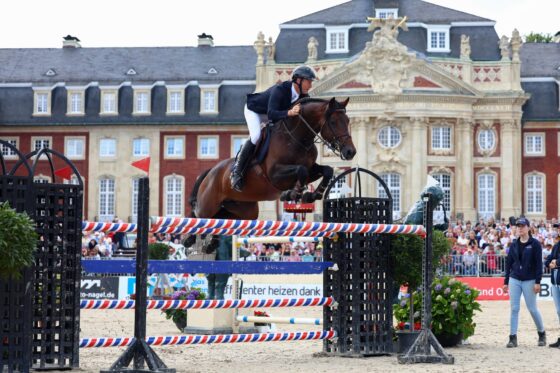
(143, 164)
(65, 173)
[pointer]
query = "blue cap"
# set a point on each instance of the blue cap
(522, 221)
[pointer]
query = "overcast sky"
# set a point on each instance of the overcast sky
(128, 23)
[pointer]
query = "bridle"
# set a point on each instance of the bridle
(335, 145)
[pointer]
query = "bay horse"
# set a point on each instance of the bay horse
(288, 167)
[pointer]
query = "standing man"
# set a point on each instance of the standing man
(553, 262)
(524, 269)
(274, 103)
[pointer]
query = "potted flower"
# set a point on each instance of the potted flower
(179, 317)
(453, 307)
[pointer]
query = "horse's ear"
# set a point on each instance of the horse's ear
(345, 102)
(332, 103)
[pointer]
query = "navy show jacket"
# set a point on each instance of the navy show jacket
(528, 265)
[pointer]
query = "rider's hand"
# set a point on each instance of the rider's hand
(294, 111)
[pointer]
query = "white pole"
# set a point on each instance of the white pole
(279, 320)
(234, 284)
(273, 239)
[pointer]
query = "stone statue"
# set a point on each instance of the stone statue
(515, 45)
(312, 45)
(504, 48)
(465, 47)
(259, 48)
(271, 50)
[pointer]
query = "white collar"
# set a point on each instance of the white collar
(295, 95)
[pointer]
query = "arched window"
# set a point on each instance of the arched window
(486, 139)
(445, 183)
(389, 137)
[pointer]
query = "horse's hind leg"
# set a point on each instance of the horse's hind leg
(233, 210)
(315, 173)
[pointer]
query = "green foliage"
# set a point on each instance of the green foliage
(535, 37)
(453, 307)
(158, 251)
(179, 317)
(406, 256)
(18, 241)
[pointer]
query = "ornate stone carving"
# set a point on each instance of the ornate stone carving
(504, 48)
(465, 47)
(259, 48)
(271, 50)
(486, 124)
(384, 61)
(515, 45)
(441, 170)
(312, 45)
(387, 156)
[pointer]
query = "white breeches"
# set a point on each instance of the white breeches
(254, 121)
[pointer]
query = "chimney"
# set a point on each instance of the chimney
(71, 42)
(205, 40)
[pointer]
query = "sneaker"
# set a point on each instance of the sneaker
(512, 341)
(542, 339)
(555, 344)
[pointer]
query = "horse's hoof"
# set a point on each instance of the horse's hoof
(308, 197)
(189, 241)
(285, 196)
(211, 247)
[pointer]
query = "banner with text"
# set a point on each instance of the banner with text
(491, 288)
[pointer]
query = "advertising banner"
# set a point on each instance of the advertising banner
(491, 288)
(99, 287)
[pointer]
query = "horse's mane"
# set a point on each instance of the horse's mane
(311, 100)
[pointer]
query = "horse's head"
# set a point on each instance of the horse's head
(335, 129)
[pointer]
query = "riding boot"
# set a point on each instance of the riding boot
(542, 338)
(240, 166)
(512, 341)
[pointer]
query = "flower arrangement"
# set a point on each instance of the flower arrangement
(179, 317)
(453, 307)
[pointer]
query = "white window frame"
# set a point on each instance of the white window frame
(201, 138)
(485, 194)
(204, 109)
(391, 131)
(38, 96)
(11, 140)
(135, 189)
(104, 155)
(447, 190)
(438, 29)
(342, 33)
(486, 132)
(144, 151)
(138, 93)
(340, 189)
(384, 13)
(67, 147)
(235, 138)
(440, 137)
(41, 138)
(527, 143)
(532, 194)
(73, 180)
(175, 155)
(180, 109)
(108, 214)
(396, 191)
(177, 196)
(41, 179)
(75, 101)
(105, 92)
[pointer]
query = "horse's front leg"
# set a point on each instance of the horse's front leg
(292, 179)
(315, 173)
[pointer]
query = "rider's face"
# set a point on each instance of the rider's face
(306, 85)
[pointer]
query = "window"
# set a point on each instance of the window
(75, 147)
(534, 144)
(393, 182)
(534, 193)
(135, 189)
(438, 39)
(209, 100)
(208, 147)
(109, 102)
(141, 147)
(173, 196)
(386, 12)
(236, 144)
(40, 143)
(107, 147)
(340, 189)
(41, 180)
(174, 147)
(486, 196)
(106, 200)
(73, 180)
(486, 140)
(141, 102)
(389, 137)
(42, 103)
(6, 151)
(337, 40)
(441, 138)
(75, 102)
(175, 103)
(445, 183)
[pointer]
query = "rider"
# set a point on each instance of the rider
(274, 103)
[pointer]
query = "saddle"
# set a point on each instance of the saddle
(263, 144)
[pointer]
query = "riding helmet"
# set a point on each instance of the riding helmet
(304, 72)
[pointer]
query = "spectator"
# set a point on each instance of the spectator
(469, 263)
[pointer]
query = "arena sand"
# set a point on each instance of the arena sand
(485, 351)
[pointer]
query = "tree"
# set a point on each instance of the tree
(535, 37)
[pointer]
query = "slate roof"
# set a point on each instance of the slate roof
(540, 60)
(543, 104)
(172, 64)
(356, 11)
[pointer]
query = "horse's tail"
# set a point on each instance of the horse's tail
(194, 192)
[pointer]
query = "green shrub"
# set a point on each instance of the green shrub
(18, 241)
(158, 251)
